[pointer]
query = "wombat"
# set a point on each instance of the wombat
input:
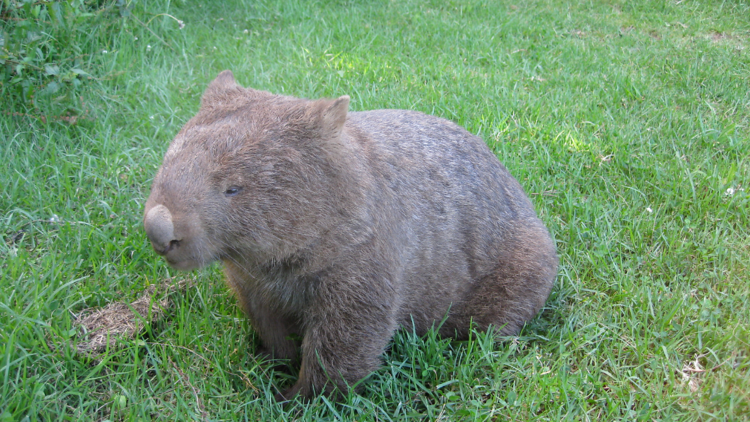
(339, 227)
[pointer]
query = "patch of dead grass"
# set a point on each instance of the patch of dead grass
(96, 329)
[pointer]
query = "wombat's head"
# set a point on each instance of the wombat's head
(251, 175)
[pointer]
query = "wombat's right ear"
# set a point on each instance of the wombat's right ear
(219, 88)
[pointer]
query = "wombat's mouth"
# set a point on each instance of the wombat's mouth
(183, 264)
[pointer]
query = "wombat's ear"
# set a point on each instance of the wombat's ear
(219, 88)
(333, 115)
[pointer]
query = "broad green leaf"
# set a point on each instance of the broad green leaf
(51, 69)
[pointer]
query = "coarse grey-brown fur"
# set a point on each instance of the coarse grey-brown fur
(339, 227)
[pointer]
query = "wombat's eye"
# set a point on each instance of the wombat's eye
(234, 190)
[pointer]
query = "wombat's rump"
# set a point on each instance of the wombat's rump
(340, 227)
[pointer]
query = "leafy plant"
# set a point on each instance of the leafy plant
(44, 48)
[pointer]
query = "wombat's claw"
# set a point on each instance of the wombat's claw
(279, 397)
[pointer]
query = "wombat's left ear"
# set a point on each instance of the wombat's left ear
(219, 87)
(333, 115)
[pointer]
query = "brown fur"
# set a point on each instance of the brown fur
(346, 226)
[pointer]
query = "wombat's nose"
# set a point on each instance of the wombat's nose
(162, 249)
(160, 229)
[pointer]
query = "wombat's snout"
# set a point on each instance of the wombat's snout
(160, 229)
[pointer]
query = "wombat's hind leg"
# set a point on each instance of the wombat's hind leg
(515, 291)
(523, 278)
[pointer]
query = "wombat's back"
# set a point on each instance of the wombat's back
(412, 146)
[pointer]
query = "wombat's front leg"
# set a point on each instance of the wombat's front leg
(276, 336)
(275, 331)
(343, 340)
(334, 360)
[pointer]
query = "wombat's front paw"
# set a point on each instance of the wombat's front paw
(288, 395)
(277, 364)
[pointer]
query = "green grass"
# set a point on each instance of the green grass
(628, 123)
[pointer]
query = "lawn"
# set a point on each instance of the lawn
(627, 123)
